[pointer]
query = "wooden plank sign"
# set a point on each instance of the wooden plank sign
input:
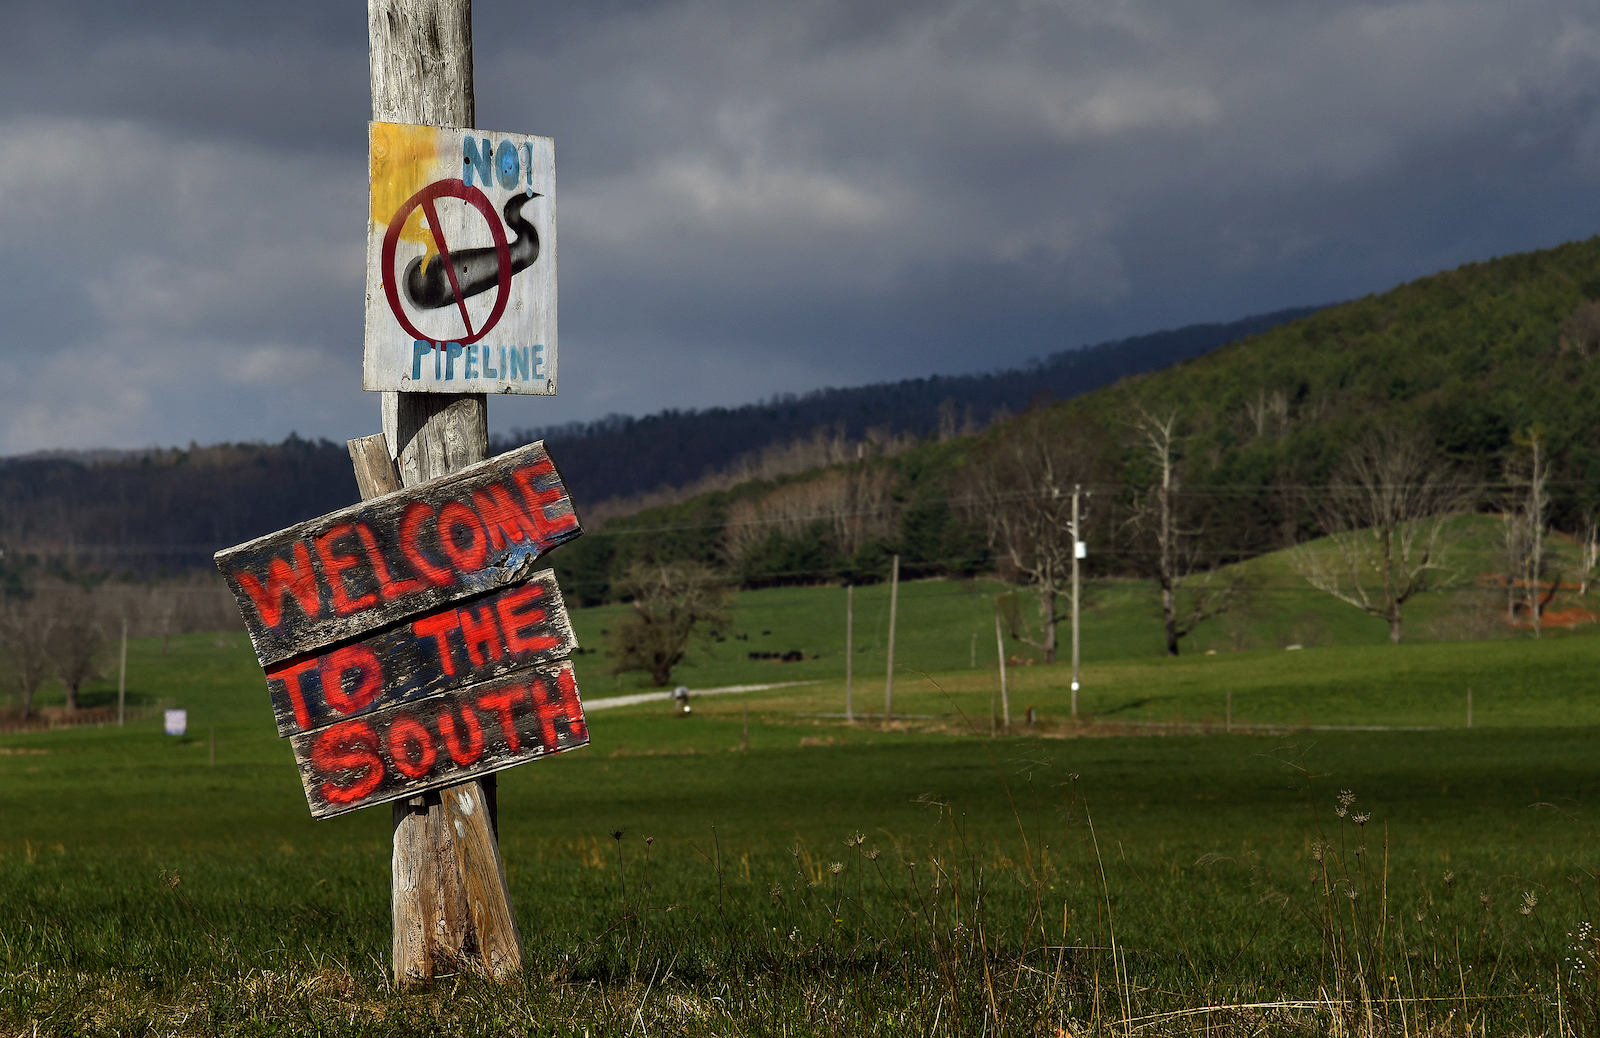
(461, 262)
(406, 642)
(463, 643)
(365, 567)
(403, 749)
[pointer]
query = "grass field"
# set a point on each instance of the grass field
(1100, 877)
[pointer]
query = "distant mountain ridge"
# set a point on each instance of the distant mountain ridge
(621, 456)
(161, 510)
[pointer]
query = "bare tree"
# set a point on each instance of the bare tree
(1525, 516)
(1386, 513)
(673, 604)
(1020, 486)
(25, 627)
(76, 639)
(1192, 587)
(1589, 550)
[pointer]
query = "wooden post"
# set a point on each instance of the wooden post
(122, 678)
(894, 600)
(449, 898)
(1000, 649)
(1077, 540)
(849, 652)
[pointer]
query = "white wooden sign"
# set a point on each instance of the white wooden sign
(461, 262)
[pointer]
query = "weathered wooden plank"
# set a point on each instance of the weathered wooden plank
(466, 811)
(375, 471)
(411, 747)
(461, 644)
(361, 568)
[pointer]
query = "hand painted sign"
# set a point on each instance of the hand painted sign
(367, 566)
(409, 747)
(465, 642)
(406, 643)
(461, 262)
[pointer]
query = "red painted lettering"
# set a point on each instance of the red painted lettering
(411, 747)
(469, 721)
(540, 497)
(520, 613)
(289, 673)
(339, 663)
(391, 588)
(297, 578)
(456, 518)
(481, 634)
(563, 705)
(502, 517)
(568, 684)
(438, 627)
(351, 748)
(417, 513)
(501, 702)
(333, 567)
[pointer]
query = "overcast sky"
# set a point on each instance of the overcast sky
(758, 196)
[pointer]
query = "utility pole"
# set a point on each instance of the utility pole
(849, 651)
(1079, 550)
(1000, 649)
(894, 599)
(122, 678)
(449, 892)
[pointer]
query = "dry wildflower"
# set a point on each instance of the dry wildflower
(1346, 798)
(1351, 894)
(1449, 877)
(1422, 913)
(1318, 849)
(616, 834)
(1530, 901)
(855, 840)
(1362, 819)
(872, 855)
(648, 840)
(836, 868)
(1483, 899)
(776, 892)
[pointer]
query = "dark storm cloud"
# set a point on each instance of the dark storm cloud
(760, 197)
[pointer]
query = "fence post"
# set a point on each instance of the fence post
(894, 599)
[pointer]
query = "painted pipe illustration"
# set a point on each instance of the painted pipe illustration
(477, 270)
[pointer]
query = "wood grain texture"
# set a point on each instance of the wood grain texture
(421, 72)
(408, 748)
(462, 644)
(420, 60)
(467, 814)
(375, 471)
(369, 566)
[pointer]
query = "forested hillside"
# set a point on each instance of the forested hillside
(1491, 368)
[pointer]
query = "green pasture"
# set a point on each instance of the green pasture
(1073, 875)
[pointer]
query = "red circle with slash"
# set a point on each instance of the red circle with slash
(391, 239)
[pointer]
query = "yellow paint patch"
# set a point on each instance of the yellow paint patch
(404, 161)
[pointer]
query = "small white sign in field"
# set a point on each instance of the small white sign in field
(461, 262)
(177, 722)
